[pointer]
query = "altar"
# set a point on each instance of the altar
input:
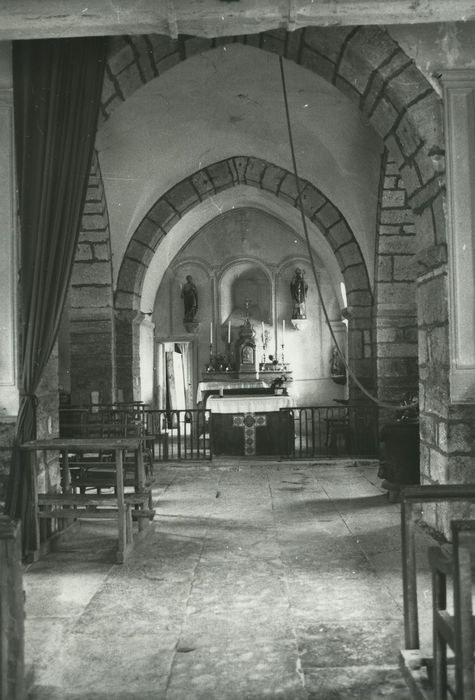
(250, 425)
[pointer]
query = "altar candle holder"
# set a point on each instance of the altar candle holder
(210, 366)
(283, 359)
(229, 364)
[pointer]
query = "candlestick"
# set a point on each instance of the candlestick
(229, 332)
(211, 333)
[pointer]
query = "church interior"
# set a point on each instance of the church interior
(237, 338)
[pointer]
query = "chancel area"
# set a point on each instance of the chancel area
(238, 234)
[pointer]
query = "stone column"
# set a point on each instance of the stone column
(91, 315)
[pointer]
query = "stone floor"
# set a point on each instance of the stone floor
(258, 579)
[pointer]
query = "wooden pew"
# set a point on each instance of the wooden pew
(118, 505)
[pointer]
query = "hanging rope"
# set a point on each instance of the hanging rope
(381, 404)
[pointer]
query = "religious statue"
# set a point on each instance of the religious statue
(189, 294)
(298, 289)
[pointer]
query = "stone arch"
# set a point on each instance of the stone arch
(225, 174)
(364, 62)
(231, 172)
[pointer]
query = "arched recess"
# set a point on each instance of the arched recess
(206, 183)
(365, 63)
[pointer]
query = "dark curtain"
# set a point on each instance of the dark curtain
(56, 88)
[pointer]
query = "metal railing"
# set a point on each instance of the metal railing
(350, 430)
(178, 434)
(170, 435)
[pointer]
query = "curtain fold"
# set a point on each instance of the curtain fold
(57, 86)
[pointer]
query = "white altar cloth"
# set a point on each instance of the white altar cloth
(248, 404)
(216, 386)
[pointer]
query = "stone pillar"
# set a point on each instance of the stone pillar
(91, 316)
(128, 325)
(395, 294)
(360, 352)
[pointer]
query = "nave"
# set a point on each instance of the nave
(257, 579)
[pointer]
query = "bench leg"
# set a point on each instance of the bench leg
(439, 602)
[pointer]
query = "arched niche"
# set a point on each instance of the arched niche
(245, 291)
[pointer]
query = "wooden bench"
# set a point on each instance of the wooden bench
(118, 505)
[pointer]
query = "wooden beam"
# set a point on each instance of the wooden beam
(23, 19)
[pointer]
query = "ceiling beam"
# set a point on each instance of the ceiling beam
(26, 19)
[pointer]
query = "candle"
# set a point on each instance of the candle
(283, 330)
(211, 333)
(262, 331)
(229, 331)
(256, 363)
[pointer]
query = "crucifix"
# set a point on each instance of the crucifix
(250, 422)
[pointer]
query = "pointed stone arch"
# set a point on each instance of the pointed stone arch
(207, 182)
(365, 63)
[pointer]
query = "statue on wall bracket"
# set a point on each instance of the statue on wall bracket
(298, 289)
(189, 294)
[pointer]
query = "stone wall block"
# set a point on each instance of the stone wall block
(385, 269)
(240, 164)
(141, 253)
(393, 198)
(163, 46)
(220, 174)
(91, 297)
(420, 199)
(126, 299)
(326, 41)
(288, 188)
(396, 349)
(358, 298)
(427, 118)
(461, 437)
(403, 268)
(272, 178)
(182, 197)
(101, 252)
(84, 252)
(397, 294)
(120, 55)
(390, 182)
(131, 275)
(426, 233)
(355, 277)
(312, 200)
(438, 346)
(433, 301)
(149, 233)
(96, 272)
(163, 215)
(338, 234)
(383, 118)
(396, 217)
(202, 184)
(407, 85)
(94, 222)
(144, 57)
(294, 43)
(428, 428)
(394, 149)
(327, 216)
(350, 254)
